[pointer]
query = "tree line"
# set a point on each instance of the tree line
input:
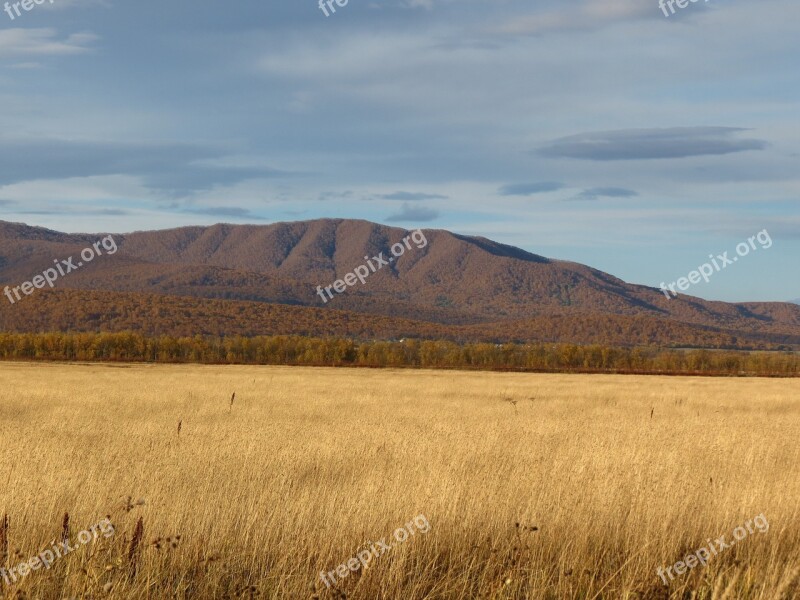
(339, 352)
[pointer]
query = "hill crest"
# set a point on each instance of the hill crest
(450, 280)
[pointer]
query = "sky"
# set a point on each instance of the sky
(597, 131)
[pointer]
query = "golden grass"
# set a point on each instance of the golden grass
(621, 475)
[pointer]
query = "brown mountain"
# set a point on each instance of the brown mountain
(250, 279)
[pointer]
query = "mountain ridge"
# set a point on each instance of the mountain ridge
(451, 280)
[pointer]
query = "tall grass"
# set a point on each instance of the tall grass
(535, 486)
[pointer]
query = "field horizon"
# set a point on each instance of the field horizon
(249, 481)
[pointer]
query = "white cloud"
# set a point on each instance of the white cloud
(43, 41)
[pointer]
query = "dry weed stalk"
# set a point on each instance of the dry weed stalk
(4, 540)
(134, 550)
(65, 528)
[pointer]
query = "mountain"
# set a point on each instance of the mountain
(260, 279)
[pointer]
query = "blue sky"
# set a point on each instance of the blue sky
(598, 131)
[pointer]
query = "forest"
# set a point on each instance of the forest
(412, 353)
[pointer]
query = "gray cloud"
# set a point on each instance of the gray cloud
(412, 196)
(413, 213)
(174, 169)
(605, 192)
(346, 195)
(638, 144)
(226, 211)
(66, 210)
(587, 15)
(528, 189)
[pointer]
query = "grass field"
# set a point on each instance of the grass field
(534, 486)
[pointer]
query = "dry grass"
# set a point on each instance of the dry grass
(620, 475)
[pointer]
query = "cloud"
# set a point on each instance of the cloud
(642, 144)
(115, 212)
(71, 4)
(412, 196)
(43, 41)
(27, 65)
(529, 189)
(588, 16)
(325, 196)
(226, 211)
(71, 210)
(426, 4)
(605, 192)
(174, 169)
(413, 213)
